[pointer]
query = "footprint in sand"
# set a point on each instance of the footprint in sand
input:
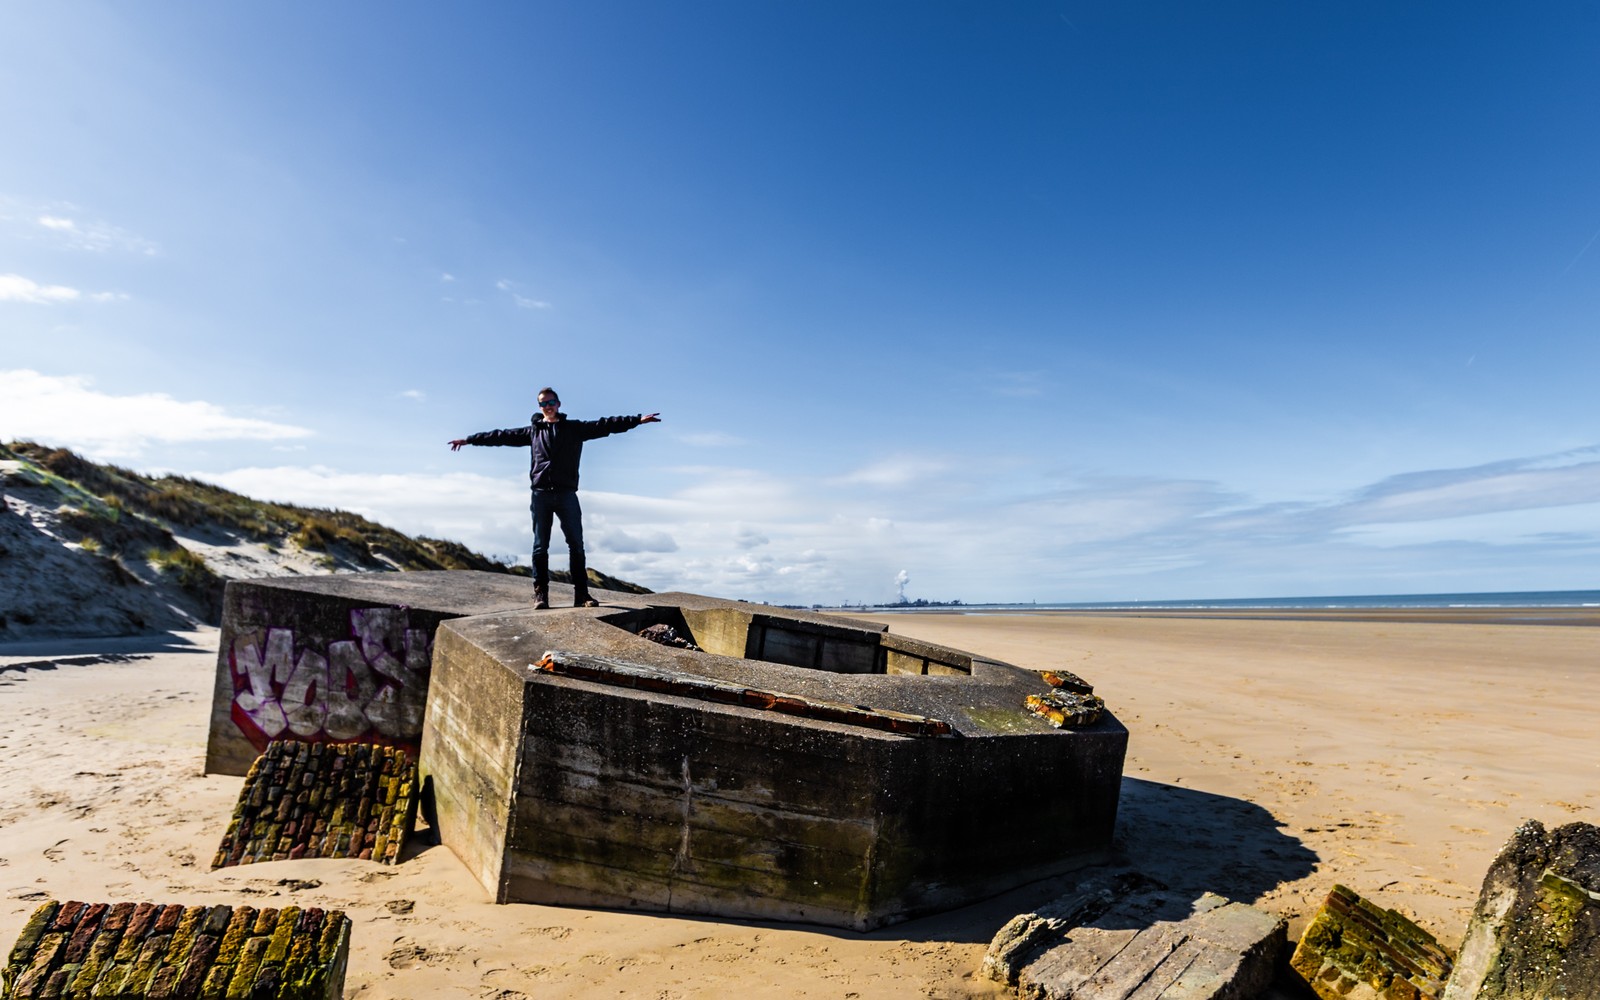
(409, 954)
(554, 933)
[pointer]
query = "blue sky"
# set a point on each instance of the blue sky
(1023, 301)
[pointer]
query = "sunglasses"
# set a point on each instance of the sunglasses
(549, 402)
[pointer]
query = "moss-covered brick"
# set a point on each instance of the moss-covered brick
(42, 963)
(118, 916)
(183, 936)
(67, 916)
(99, 956)
(335, 928)
(193, 976)
(268, 979)
(164, 983)
(283, 934)
(1351, 941)
(266, 922)
(168, 919)
(241, 983)
(111, 980)
(146, 964)
(83, 935)
(239, 925)
(56, 984)
(32, 931)
(139, 924)
(215, 984)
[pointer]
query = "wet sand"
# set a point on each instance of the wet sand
(1269, 757)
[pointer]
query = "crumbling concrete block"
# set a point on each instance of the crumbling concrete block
(323, 800)
(1354, 949)
(1535, 933)
(1121, 936)
(139, 950)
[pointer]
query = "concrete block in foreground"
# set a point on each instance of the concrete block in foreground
(337, 659)
(139, 950)
(1535, 932)
(794, 766)
(1120, 936)
(1353, 948)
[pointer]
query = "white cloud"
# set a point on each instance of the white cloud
(95, 237)
(523, 302)
(416, 394)
(67, 411)
(799, 539)
(901, 470)
(447, 276)
(16, 288)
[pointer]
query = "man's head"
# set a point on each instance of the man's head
(549, 402)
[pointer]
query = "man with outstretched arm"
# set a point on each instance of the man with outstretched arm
(557, 444)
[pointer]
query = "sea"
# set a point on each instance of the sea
(1494, 599)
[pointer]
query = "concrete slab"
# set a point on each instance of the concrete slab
(1120, 936)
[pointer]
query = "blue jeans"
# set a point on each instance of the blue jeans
(563, 504)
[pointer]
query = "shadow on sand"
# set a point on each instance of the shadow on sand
(47, 654)
(1192, 841)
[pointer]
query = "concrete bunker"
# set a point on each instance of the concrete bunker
(642, 780)
(795, 766)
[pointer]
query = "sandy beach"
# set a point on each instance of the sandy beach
(1270, 757)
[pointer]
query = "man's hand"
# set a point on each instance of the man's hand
(457, 443)
(650, 418)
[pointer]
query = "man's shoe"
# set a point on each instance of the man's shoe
(541, 597)
(541, 605)
(583, 600)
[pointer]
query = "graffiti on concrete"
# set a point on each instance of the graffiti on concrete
(372, 686)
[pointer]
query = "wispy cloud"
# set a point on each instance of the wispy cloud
(67, 410)
(523, 302)
(65, 226)
(793, 538)
(900, 470)
(416, 394)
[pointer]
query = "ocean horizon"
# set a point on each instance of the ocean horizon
(1486, 599)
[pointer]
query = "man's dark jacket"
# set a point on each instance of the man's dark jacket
(557, 445)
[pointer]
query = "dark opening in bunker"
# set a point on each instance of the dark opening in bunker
(837, 648)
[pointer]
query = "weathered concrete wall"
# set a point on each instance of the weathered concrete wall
(1353, 948)
(471, 742)
(1535, 932)
(149, 950)
(618, 796)
(341, 658)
